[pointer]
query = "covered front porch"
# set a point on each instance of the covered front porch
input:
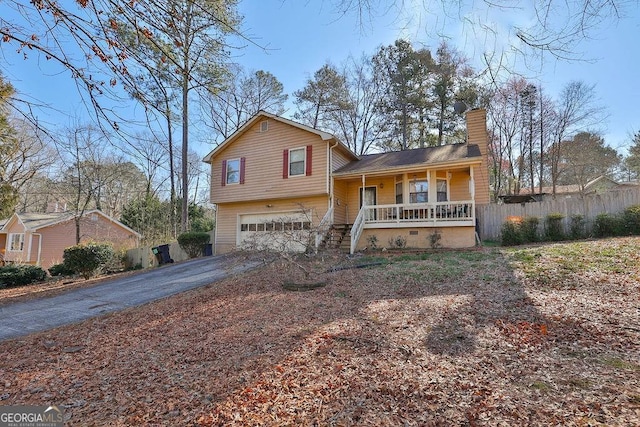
(419, 199)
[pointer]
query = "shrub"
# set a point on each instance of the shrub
(434, 239)
(60, 270)
(510, 234)
(193, 243)
(576, 227)
(87, 259)
(20, 275)
(202, 225)
(553, 227)
(116, 262)
(372, 241)
(529, 229)
(398, 242)
(631, 219)
(607, 225)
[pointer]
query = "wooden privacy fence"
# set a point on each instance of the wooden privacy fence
(146, 258)
(491, 217)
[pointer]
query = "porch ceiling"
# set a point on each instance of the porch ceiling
(408, 170)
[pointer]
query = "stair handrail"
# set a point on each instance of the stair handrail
(356, 230)
(323, 227)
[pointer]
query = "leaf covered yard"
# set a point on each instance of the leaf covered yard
(541, 335)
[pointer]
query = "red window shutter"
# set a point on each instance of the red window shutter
(242, 162)
(285, 164)
(309, 152)
(224, 173)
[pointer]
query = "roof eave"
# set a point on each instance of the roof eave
(403, 169)
(325, 136)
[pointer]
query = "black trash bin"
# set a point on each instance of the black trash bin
(162, 254)
(208, 249)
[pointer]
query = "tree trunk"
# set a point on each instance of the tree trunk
(185, 151)
(172, 173)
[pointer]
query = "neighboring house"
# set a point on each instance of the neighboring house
(598, 185)
(274, 176)
(41, 238)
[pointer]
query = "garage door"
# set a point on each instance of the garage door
(283, 231)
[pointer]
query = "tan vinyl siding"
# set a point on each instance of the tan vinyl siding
(340, 159)
(340, 191)
(384, 196)
(263, 153)
(459, 186)
(386, 190)
(228, 214)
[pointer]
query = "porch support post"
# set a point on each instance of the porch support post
(364, 202)
(472, 184)
(432, 194)
(405, 188)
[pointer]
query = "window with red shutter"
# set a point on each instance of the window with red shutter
(285, 164)
(224, 173)
(308, 166)
(242, 166)
(233, 171)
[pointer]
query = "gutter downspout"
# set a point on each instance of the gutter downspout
(330, 184)
(215, 231)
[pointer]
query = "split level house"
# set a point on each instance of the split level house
(275, 178)
(41, 238)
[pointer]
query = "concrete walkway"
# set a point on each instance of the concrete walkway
(39, 314)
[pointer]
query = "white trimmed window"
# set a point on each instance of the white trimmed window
(233, 171)
(399, 198)
(442, 186)
(297, 162)
(297, 158)
(419, 191)
(16, 242)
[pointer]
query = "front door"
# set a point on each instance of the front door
(369, 199)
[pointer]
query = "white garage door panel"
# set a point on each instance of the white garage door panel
(287, 231)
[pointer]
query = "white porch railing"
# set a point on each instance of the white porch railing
(445, 214)
(324, 227)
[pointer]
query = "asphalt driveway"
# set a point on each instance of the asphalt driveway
(39, 314)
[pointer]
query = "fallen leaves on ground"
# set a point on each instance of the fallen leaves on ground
(490, 337)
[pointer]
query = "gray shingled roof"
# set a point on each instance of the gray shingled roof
(417, 157)
(37, 220)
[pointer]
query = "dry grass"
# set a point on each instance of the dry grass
(547, 335)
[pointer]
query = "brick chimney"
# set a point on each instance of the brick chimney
(477, 135)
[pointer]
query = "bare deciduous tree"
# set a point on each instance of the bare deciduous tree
(239, 98)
